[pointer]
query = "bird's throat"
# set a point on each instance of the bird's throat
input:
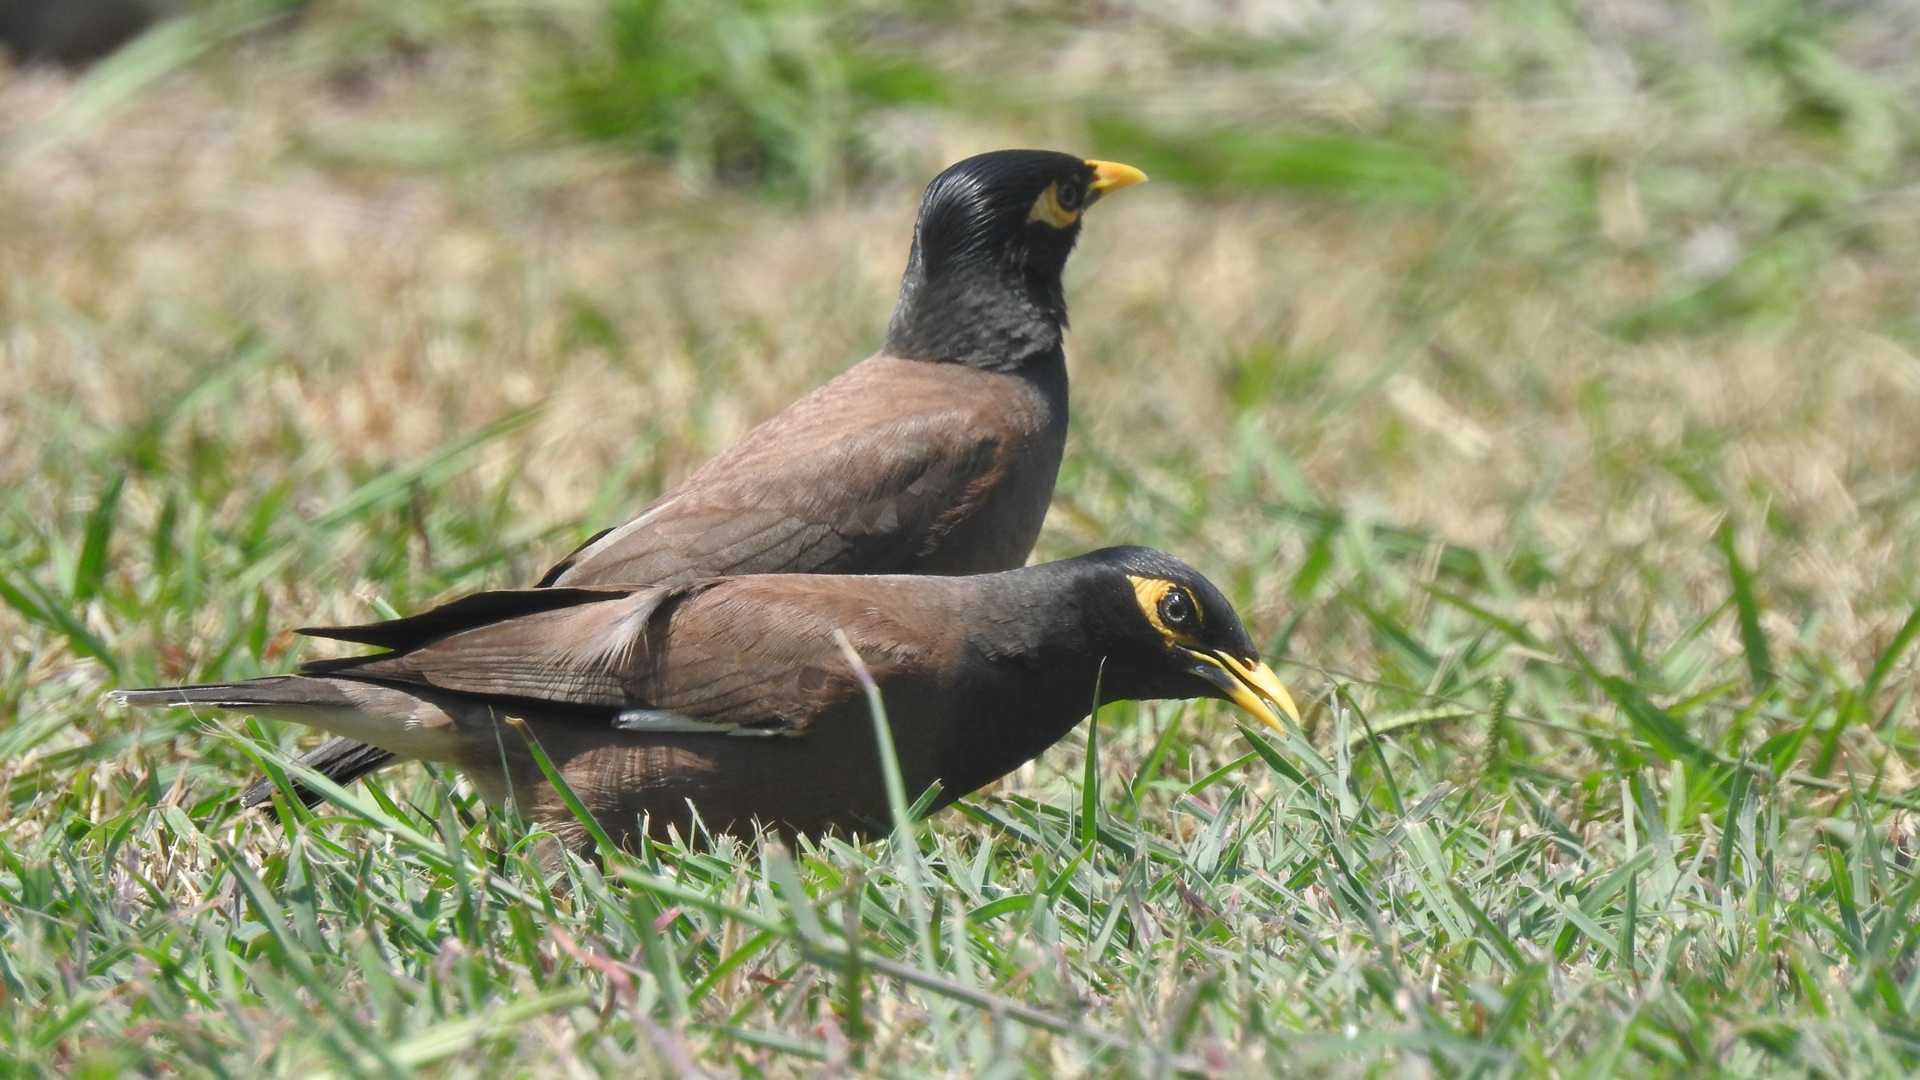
(986, 315)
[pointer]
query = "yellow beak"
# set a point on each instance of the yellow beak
(1251, 684)
(1111, 176)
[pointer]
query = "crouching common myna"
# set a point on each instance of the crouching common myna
(935, 456)
(732, 697)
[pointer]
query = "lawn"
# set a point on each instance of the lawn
(1542, 383)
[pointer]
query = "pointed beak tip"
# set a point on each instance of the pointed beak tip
(1255, 688)
(1264, 714)
(1283, 697)
(1265, 683)
(1111, 176)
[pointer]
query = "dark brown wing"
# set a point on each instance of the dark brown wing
(759, 652)
(593, 656)
(896, 466)
(756, 656)
(345, 760)
(753, 653)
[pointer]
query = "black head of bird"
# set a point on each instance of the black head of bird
(983, 281)
(1163, 631)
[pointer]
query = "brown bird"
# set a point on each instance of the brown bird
(935, 456)
(731, 697)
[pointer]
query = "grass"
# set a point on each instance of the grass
(769, 93)
(1539, 383)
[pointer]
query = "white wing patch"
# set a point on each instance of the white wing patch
(660, 721)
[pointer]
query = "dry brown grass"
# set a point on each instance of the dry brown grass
(1465, 371)
(405, 310)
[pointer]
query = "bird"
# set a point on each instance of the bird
(732, 699)
(936, 455)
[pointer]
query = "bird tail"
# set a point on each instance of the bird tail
(273, 690)
(339, 759)
(342, 760)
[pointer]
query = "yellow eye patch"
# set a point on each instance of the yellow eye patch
(1047, 209)
(1150, 592)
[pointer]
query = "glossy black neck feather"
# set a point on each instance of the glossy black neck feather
(999, 311)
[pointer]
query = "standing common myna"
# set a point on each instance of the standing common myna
(732, 695)
(935, 456)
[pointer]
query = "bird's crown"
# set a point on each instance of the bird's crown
(979, 205)
(1181, 606)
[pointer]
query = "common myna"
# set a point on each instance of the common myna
(733, 696)
(935, 456)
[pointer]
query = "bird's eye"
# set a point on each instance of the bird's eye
(1176, 609)
(1068, 196)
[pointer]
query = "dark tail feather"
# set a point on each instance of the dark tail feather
(344, 760)
(339, 759)
(273, 690)
(466, 613)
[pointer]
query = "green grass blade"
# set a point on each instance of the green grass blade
(1759, 659)
(396, 482)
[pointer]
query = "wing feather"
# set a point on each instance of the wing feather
(732, 655)
(865, 475)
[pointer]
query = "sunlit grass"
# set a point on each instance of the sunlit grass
(1542, 389)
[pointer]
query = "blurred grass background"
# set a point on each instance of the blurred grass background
(1540, 379)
